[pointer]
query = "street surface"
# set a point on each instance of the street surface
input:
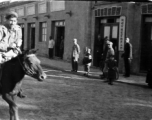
(68, 96)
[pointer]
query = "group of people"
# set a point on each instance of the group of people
(110, 63)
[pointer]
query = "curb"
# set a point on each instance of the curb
(97, 77)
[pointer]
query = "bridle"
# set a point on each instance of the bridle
(26, 69)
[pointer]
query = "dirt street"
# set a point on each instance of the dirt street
(65, 96)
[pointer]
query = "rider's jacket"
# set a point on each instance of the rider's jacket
(10, 36)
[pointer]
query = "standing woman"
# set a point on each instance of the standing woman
(51, 47)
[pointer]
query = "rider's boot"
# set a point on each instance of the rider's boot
(20, 94)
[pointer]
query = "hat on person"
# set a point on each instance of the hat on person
(11, 14)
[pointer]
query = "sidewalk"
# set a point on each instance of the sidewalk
(95, 72)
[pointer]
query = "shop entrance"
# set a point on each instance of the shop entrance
(58, 41)
(146, 46)
(59, 38)
(111, 30)
(31, 36)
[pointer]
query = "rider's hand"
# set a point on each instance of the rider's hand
(13, 45)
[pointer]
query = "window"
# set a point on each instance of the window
(43, 31)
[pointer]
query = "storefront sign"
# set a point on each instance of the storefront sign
(108, 11)
(122, 32)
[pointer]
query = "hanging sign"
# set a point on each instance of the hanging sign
(122, 23)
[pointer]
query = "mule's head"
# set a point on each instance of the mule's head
(31, 65)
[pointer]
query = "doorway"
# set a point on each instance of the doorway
(22, 27)
(31, 37)
(110, 29)
(58, 42)
(146, 46)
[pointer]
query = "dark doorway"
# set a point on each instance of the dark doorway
(58, 41)
(22, 26)
(31, 37)
(146, 46)
(110, 30)
(22, 47)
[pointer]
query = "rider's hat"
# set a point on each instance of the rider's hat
(11, 14)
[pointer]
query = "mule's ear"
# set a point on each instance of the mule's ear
(34, 51)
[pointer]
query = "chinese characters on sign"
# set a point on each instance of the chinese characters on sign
(122, 32)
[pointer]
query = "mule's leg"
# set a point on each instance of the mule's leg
(11, 113)
(13, 107)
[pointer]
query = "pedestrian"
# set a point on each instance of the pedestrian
(110, 53)
(75, 55)
(112, 69)
(98, 49)
(62, 47)
(10, 42)
(51, 47)
(127, 56)
(104, 54)
(87, 62)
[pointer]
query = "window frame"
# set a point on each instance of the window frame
(43, 31)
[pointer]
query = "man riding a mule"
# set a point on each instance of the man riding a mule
(10, 40)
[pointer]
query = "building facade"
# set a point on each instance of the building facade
(86, 21)
(59, 19)
(119, 20)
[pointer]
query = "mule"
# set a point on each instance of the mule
(13, 72)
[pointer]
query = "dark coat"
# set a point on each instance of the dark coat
(128, 51)
(112, 66)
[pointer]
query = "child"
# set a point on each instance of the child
(112, 69)
(87, 61)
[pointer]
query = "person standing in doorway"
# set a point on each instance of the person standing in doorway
(104, 54)
(98, 49)
(51, 47)
(110, 53)
(127, 55)
(75, 55)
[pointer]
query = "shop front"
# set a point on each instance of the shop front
(106, 25)
(146, 41)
